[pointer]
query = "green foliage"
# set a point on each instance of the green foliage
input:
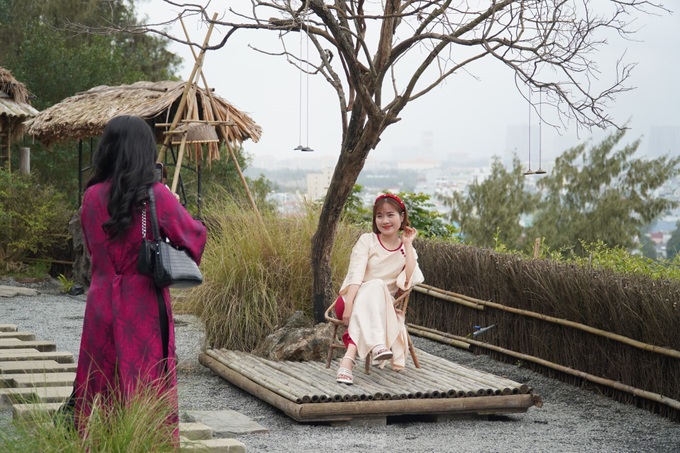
(257, 273)
(491, 209)
(137, 425)
(37, 37)
(355, 212)
(66, 283)
(428, 222)
(41, 49)
(673, 244)
(603, 194)
(33, 218)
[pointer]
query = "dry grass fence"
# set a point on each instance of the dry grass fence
(636, 307)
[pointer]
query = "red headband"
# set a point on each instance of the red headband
(394, 197)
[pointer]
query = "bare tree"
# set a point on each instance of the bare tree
(379, 56)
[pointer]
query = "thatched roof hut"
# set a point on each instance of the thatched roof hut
(85, 114)
(14, 109)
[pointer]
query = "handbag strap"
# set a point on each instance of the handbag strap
(162, 312)
(152, 214)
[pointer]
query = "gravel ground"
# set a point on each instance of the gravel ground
(572, 419)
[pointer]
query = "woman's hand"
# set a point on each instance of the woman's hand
(409, 235)
(347, 313)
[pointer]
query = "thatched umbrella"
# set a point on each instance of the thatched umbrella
(85, 114)
(14, 109)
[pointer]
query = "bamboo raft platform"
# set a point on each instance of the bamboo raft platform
(308, 392)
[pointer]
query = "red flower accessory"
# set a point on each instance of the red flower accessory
(392, 196)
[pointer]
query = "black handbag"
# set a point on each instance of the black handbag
(170, 267)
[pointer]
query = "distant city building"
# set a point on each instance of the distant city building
(318, 183)
(418, 164)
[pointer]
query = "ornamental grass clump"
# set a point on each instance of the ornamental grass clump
(257, 271)
(137, 425)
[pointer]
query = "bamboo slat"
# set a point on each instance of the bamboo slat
(360, 409)
(675, 404)
(465, 300)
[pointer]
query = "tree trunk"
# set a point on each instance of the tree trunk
(347, 170)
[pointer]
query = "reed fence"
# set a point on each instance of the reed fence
(615, 332)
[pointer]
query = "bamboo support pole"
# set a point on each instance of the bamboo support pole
(603, 333)
(421, 332)
(441, 294)
(187, 88)
(675, 404)
(222, 127)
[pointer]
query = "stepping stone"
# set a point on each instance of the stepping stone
(36, 366)
(25, 336)
(29, 395)
(225, 423)
(15, 343)
(28, 412)
(43, 380)
(8, 327)
(195, 431)
(34, 354)
(11, 291)
(212, 446)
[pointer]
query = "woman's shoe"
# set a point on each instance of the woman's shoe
(381, 352)
(344, 375)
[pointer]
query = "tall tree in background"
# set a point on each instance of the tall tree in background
(39, 47)
(379, 56)
(602, 194)
(493, 207)
(673, 244)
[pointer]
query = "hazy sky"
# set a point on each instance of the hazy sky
(465, 117)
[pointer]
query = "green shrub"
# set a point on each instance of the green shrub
(137, 425)
(33, 218)
(257, 272)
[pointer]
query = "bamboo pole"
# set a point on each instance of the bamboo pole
(222, 127)
(675, 404)
(260, 380)
(187, 88)
(434, 334)
(612, 336)
(487, 378)
(374, 391)
(440, 294)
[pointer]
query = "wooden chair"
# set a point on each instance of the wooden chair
(400, 303)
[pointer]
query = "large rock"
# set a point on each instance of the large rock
(297, 341)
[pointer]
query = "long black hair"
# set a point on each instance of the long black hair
(125, 155)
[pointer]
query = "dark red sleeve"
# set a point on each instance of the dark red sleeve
(177, 225)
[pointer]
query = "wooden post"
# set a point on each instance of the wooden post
(25, 161)
(537, 248)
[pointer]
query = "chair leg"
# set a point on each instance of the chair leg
(367, 366)
(412, 350)
(330, 346)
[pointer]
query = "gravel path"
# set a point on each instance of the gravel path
(572, 419)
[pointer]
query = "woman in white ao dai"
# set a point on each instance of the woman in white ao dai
(382, 263)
